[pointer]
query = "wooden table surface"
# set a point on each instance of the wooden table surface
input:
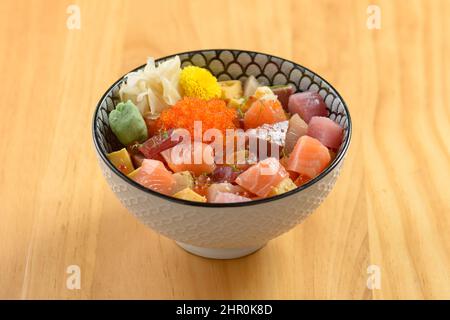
(390, 207)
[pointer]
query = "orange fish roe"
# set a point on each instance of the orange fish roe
(213, 113)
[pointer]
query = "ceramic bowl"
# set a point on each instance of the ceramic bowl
(233, 230)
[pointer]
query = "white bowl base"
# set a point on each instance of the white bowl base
(219, 253)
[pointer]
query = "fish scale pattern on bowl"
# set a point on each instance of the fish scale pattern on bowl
(227, 226)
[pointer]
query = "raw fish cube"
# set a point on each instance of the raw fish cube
(154, 175)
(269, 136)
(226, 197)
(307, 105)
(326, 131)
(283, 92)
(261, 177)
(297, 128)
(309, 157)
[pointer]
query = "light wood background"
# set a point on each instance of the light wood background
(390, 207)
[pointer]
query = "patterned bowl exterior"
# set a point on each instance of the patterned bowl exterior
(226, 225)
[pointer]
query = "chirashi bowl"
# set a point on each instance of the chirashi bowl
(218, 230)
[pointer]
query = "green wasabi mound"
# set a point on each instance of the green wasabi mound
(127, 123)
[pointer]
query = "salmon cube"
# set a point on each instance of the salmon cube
(154, 175)
(263, 112)
(309, 157)
(262, 177)
(195, 157)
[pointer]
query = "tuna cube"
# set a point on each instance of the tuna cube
(307, 105)
(309, 157)
(326, 131)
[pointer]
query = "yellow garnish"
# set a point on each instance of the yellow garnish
(189, 194)
(121, 160)
(197, 82)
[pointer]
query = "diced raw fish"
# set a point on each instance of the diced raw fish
(283, 93)
(202, 184)
(309, 157)
(137, 159)
(241, 123)
(158, 143)
(284, 162)
(153, 175)
(297, 128)
(326, 131)
(225, 174)
(332, 155)
(264, 93)
(215, 188)
(226, 197)
(151, 123)
(226, 146)
(241, 160)
(250, 86)
(301, 180)
(261, 177)
(159, 157)
(196, 157)
(273, 135)
(136, 156)
(264, 112)
(307, 105)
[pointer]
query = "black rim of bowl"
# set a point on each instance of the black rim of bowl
(324, 173)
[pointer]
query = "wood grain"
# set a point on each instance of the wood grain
(390, 207)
